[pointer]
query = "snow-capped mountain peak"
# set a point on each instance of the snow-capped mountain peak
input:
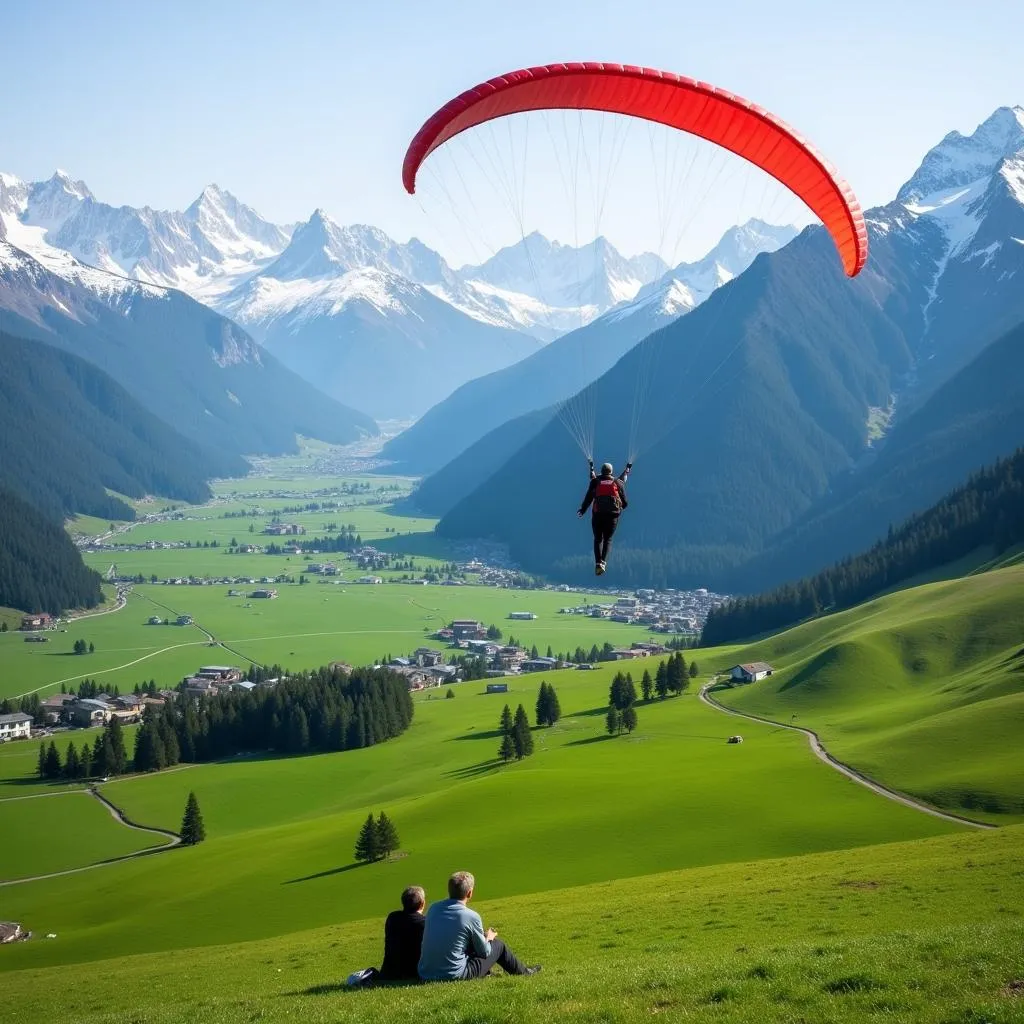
(961, 160)
(231, 227)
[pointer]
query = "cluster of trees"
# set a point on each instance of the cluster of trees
(548, 709)
(83, 647)
(621, 705)
(325, 709)
(988, 511)
(107, 756)
(516, 738)
(377, 839)
(672, 676)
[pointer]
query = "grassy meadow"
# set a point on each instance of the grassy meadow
(922, 689)
(928, 932)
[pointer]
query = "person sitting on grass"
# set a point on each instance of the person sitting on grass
(455, 945)
(403, 935)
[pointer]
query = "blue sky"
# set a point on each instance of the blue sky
(304, 105)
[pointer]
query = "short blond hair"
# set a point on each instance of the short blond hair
(460, 885)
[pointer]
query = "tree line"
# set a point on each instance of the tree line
(987, 511)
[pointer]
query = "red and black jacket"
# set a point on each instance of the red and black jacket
(607, 494)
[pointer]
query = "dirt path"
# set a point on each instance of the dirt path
(851, 773)
(173, 839)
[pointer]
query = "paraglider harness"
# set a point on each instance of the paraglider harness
(608, 493)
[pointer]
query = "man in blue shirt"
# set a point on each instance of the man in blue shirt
(455, 945)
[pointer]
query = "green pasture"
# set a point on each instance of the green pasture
(928, 932)
(584, 808)
(60, 830)
(922, 689)
(304, 627)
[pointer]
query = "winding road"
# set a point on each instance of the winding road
(844, 769)
(173, 839)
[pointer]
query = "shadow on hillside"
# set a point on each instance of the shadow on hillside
(589, 713)
(589, 739)
(482, 768)
(491, 734)
(325, 874)
(332, 987)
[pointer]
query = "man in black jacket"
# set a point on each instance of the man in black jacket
(607, 495)
(403, 936)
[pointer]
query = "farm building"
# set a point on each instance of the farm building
(17, 726)
(751, 672)
(89, 712)
(539, 664)
(468, 629)
(371, 580)
(264, 593)
(522, 616)
(38, 621)
(36, 638)
(497, 687)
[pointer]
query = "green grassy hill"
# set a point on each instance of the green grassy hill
(584, 808)
(922, 689)
(928, 932)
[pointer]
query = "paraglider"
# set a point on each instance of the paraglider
(684, 107)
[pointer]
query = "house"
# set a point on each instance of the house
(244, 685)
(539, 664)
(17, 726)
(439, 674)
(220, 673)
(38, 621)
(522, 616)
(87, 713)
(52, 708)
(427, 657)
(468, 629)
(751, 672)
(264, 593)
(497, 687)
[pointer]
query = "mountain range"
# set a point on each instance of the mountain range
(782, 384)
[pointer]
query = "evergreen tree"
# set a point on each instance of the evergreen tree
(72, 766)
(450, 695)
(298, 732)
(387, 836)
(550, 653)
(613, 721)
(507, 750)
(150, 755)
(629, 719)
(53, 765)
(646, 685)
(534, 653)
(694, 670)
(505, 725)
(541, 710)
(92, 647)
(661, 681)
(522, 738)
(85, 762)
(367, 848)
(41, 764)
(193, 831)
(115, 755)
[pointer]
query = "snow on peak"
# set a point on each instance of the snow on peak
(961, 160)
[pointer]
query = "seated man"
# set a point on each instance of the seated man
(403, 933)
(455, 946)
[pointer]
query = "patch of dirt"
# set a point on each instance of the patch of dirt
(860, 883)
(1014, 989)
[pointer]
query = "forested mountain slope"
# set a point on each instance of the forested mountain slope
(72, 433)
(40, 567)
(985, 513)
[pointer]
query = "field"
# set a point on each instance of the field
(660, 872)
(922, 689)
(928, 932)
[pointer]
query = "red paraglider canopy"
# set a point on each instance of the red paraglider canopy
(713, 114)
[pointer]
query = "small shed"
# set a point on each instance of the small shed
(497, 687)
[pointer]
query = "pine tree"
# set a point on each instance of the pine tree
(505, 724)
(41, 764)
(554, 708)
(694, 671)
(115, 755)
(629, 719)
(53, 765)
(387, 836)
(522, 738)
(534, 653)
(72, 767)
(367, 848)
(297, 741)
(193, 831)
(85, 762)
(661, 681)
(612, 721)
(646, 685)
(507, 750)
(542, 705)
